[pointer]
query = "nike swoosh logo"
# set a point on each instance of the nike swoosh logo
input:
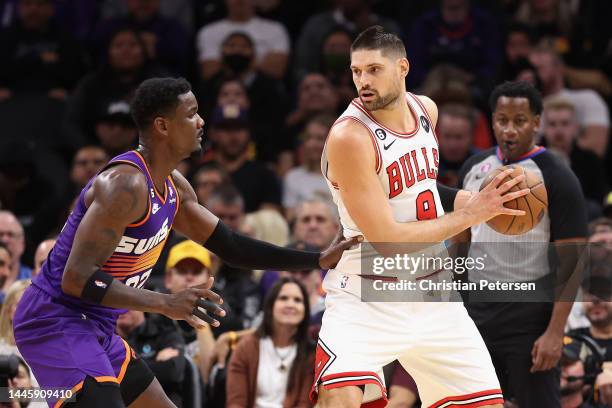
(386, 147)
(155, 210)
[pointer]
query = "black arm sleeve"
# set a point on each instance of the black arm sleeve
(244, 252)
(447, 196)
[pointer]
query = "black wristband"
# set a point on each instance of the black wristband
(96, 286)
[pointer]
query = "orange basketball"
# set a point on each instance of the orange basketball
(535, 204)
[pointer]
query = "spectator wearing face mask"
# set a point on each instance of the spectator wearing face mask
(336, 62)
(270, 40)
(265, 96)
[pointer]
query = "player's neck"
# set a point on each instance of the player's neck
(396, 116)
(160, 164)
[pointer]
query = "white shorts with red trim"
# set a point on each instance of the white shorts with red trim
(436, 342)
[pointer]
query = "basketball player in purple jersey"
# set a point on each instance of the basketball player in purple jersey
(65, 323)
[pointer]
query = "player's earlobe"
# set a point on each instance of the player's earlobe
(404, 66)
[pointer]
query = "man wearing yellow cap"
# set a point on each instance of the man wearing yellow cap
(190, 264)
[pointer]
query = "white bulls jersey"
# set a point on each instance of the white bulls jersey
(406, 164)
(363, 330)
(407, 168)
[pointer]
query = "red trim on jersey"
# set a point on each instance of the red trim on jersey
(355, 102)
(433, 127)
(463, 401)
(372, 137)
(351, 378)
(333, 183)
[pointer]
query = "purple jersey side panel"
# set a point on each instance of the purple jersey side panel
(134, 257)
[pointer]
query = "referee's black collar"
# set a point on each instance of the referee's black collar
(530, 154)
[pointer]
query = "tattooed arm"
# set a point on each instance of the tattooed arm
(118, 198)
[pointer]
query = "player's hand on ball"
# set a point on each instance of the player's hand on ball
(489, 202)
(330, 257)
(194, 305)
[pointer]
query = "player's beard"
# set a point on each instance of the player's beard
(382, 101)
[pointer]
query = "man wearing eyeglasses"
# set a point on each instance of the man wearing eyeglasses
(12, 235)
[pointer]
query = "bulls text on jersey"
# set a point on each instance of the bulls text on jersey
(406, 170)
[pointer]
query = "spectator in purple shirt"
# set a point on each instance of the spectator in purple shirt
(165, 38)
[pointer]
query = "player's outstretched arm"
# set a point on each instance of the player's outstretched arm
(117, 198)
(200, 225)
(351, 165)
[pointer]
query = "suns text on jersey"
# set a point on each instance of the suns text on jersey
(129, 245)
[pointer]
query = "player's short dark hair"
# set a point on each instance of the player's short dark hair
(517, 89)
(376, 38)
(157, 97)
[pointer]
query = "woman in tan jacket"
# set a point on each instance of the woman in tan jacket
(273, 368)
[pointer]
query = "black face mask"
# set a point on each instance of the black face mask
(337, 63)
(237, 62)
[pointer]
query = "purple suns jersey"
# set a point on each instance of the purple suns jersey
(134, 257)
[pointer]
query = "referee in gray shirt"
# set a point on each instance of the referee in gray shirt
(525, 339)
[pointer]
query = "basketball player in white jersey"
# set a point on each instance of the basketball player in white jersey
(381, 161)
